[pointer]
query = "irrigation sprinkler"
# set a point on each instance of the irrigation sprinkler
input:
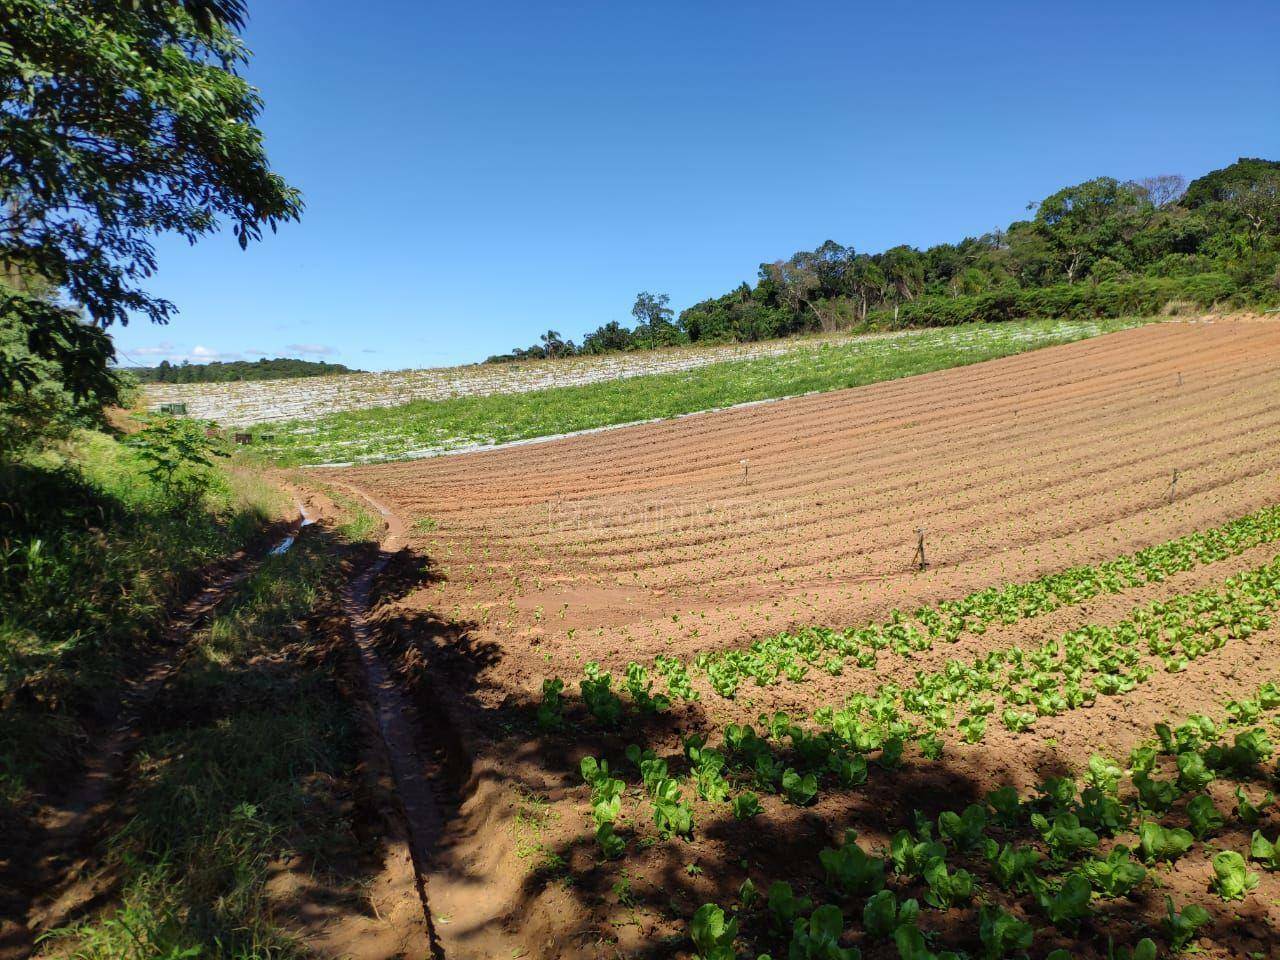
(919, 559)
(746, 465)
(1179, 378)
(1173, 485)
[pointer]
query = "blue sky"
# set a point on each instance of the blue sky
(478, 173)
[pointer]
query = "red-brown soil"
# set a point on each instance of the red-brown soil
(707, 532)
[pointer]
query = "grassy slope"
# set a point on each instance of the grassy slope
(90, 555)
(387, 433)
(227, 785)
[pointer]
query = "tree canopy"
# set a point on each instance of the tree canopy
(1094, 248)
(120, 121)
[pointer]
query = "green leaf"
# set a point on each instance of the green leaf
(818, 938)
(1064, 835)
(800, 790)
(1014, 867)
(1204, 816)
(1266, 852)
(1161, 843)
(1115, 875)
(946, 888)
(1193, 772)
(1248, 811)
(850, 870)
(1070, 903)
(784, 906)
(963, 830)
(611, 845)
(746, 805)
(1182, 927)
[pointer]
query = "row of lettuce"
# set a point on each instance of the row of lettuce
(1054, 856)
(1072, 854)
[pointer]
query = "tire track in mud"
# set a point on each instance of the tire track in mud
(63, 870)
(414, 771)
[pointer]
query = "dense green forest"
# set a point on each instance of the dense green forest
(279, 368)
(1101, 248)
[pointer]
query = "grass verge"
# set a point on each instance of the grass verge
(243, 776)
(424, 427)
(92, 552)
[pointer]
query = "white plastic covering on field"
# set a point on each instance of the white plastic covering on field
(275, 401)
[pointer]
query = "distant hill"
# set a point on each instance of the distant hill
(279, 368)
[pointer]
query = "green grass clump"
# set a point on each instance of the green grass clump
(420, 426)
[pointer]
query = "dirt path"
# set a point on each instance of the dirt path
(396, 717)
(61, 871)
(416, 755)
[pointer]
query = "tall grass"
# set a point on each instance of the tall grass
(91, 553)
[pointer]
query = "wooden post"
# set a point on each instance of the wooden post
(1179, 378)
(919, 559)
(1173, 485)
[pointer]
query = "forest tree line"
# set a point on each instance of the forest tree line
(219, 371)
(1104, 247)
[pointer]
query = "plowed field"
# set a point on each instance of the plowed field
(1011, 467)
(710, 532)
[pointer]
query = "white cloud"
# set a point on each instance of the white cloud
(163, 349)
(166, 350)
(200, 353)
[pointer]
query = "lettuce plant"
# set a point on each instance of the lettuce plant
(1231, 879)
(850, 869)
(1162, 843)
(712, 934)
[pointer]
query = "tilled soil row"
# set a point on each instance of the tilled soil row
(552, 919)
(651, 547)
(1148, 357)
(1016, 467)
